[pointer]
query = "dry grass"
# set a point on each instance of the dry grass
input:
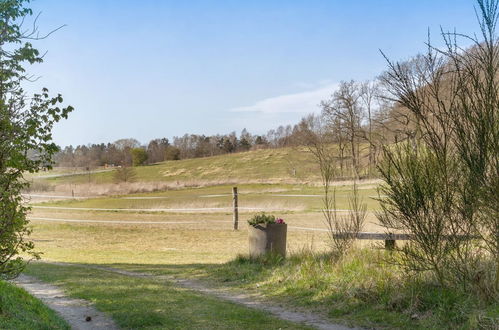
(209, 240)
(252, 198)
(107, 189)
(148, 244)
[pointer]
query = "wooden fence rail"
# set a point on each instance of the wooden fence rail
(390, 238)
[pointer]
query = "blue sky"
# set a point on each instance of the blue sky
(148, 69)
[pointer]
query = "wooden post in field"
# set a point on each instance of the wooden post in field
(234, 203)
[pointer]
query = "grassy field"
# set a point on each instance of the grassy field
(207, 241)
(283, 165)
(19, 310)
(279, 167)
(252, 197)
(364, 290)
(269, 165)
(185, 231)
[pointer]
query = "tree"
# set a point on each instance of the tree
(125, 146)
(172, 153)
(125, 174)
(25, 125)
(156, 150)
(368, 94)
(345, 112)
(261, 141)
(245, 140)
(139, 156)
(130, 143)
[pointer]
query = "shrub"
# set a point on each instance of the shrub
(441, 184)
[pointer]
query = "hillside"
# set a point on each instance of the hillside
(285, 165)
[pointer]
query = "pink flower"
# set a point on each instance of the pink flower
(280, 221)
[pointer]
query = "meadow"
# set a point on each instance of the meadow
(260, 166)
(185, 232)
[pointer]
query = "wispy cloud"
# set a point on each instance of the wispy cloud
(302, 103)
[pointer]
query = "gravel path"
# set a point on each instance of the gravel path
(74, 311)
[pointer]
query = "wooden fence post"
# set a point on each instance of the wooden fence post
(390, 242)
(234, 203)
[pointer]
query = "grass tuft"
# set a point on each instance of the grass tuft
(19, 310)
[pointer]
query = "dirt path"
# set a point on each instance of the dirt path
(74, 311)
(245, 299)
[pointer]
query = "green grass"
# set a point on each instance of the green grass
(362, 290)
(19, 310)
(138, 303)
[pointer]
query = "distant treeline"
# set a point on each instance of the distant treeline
(357, 116)
(122, 152)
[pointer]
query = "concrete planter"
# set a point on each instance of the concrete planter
(269, 238)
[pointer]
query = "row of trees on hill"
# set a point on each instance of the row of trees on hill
(126, 152)
(123, 152)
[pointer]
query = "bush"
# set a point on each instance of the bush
(441, 184)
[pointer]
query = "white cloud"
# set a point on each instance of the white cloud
(302, 103)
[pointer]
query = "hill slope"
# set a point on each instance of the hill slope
(285, 165)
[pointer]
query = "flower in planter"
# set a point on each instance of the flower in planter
(280, 221)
